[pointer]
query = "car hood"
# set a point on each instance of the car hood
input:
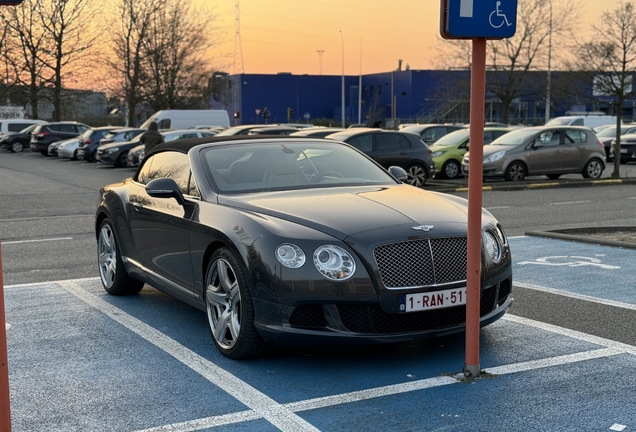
(346, 211)
(491, 149)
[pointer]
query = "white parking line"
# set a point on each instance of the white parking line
(262, 405)
(576, 296)
(570, 202)
(36, 240)
(283, 415)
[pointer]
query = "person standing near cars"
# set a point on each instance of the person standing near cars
(151, 137)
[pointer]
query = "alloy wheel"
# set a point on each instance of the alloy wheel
(594, 169)
(416, 175)
(107, 256)
(223, 303)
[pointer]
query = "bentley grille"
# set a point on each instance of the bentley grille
(422, 262)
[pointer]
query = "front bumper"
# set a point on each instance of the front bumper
(364, 323)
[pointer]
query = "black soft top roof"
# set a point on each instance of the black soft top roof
(185, 145)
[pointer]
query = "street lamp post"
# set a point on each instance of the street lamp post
(343, 80)
(547, 96)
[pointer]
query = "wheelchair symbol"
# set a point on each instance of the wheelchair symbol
(571, 261)
(500, 17)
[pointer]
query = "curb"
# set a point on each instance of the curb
(576, 236)
(539, 185)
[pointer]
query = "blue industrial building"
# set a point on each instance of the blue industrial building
(397, 97)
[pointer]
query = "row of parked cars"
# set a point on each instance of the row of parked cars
(424, 151)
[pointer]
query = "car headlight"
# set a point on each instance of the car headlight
(290, 255)
(111, 150)
(334, 263)
(495, 156)
(438, 153)
(492, 246)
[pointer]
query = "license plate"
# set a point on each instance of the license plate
(431, 300)
(624, 150)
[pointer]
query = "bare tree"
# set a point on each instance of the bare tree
(29, 47)
(177, 56)
(610, 56)
(509, 60)
(66, 25)
(130, 53)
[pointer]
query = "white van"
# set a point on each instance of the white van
(184, 119)
(590, 121)
(16, 125)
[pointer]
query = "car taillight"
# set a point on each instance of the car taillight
(601, 144)
(88, 141)
(42, 134)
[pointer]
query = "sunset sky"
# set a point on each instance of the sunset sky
(286, 35)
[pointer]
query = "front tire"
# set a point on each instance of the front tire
(516, 171)
(417, 175)
(593, 169)
(451, 169)
(122, 160)
(112, 273)
(229, 307)
(17, 146)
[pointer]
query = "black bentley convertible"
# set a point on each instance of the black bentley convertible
(295, 241)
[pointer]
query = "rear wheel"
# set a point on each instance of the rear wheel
(229, 307)
(516, 171)
(593, 169)
(112, 273)
(17, 146)
(122, 160)
(417, 175)
(451, 170)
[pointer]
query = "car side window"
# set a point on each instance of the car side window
(549, 138)
(572, 136)
(404, 142)
(164, 124)
(488, 137)
(364, 143)
(192, 187)
(68, 128)
(433, 134)
(387, 141)
(170, 164)
(54, 128)
(17, 127)
(577, 122)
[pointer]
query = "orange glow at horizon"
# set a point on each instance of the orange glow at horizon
(287, 35)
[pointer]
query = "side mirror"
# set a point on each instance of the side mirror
(165, 188)
(398, 173)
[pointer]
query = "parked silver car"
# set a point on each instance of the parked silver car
(544, 150)
(68, 149)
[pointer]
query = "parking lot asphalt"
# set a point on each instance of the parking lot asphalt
(81, 360)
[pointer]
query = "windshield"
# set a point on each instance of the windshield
(608, 132)
(29, 129)
(146, 124)
(514, 138)
(452, 138)
(242, 168)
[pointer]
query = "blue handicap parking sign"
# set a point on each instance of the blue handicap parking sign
(493, 19)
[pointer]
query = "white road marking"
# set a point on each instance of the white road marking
(283, 416)
(570, 202)
(576, 296)
(617, 427)
(36, 240)
(263, 405)
(497, 208)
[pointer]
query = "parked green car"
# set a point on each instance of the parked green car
(449, 150)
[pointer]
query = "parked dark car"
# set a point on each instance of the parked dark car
(43, 135)
(628, 148)
(116, 153)
(89, 141)
(608, 134)
(17, 141)
(121, 135)
(393, 148)
(295, 241)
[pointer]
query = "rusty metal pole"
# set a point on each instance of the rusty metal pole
(5, 407)
(475, 168)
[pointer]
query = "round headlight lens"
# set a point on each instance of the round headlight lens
(334, 263)
(492, 246)
(290, 255)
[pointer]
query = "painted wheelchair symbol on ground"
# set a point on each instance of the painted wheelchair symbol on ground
(570, 261)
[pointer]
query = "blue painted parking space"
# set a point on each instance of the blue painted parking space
(83, 360)
(599, 271)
